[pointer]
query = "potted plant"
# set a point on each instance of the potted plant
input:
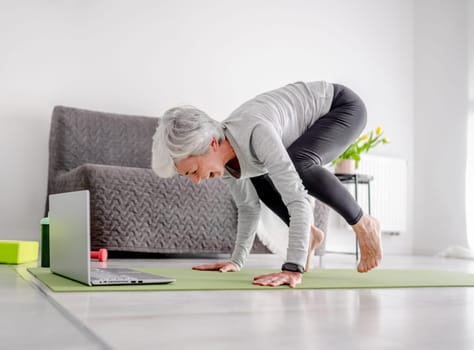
(349, 160)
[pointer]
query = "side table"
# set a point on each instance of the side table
(357, 179)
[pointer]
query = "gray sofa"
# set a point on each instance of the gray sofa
(132, 209)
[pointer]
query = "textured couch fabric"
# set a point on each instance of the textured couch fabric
(132, 209)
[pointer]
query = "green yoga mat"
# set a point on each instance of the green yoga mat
(187, 279)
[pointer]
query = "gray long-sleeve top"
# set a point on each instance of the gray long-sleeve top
(260, 131)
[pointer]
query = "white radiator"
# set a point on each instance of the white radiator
(388, 191)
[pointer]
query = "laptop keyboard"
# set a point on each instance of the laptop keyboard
(108, 276)
(125, 276)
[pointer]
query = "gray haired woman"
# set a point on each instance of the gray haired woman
(273, 148)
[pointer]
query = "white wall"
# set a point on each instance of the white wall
(142, 57)
(441, 105)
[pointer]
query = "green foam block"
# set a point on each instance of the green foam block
(18, 252)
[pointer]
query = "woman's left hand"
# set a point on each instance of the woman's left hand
(279, 278)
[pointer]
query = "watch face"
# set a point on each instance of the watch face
(292, 267)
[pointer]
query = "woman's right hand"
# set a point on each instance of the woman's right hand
(226, 266)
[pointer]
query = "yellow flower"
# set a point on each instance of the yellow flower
(362, 144)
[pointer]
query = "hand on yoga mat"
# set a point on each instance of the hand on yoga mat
(278, 279)
(226, 266)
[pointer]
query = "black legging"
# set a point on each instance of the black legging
(326, 139)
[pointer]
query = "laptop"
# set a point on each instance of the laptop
(69, 241)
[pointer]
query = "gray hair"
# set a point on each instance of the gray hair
(182, 132)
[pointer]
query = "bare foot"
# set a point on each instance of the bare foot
(367, 231)
(315, 240)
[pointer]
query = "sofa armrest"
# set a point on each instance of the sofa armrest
(87, 175)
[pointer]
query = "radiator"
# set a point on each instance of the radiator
(388, 191)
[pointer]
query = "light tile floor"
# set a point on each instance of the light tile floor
(415, 318)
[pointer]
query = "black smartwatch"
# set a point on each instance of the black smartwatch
(292, 267)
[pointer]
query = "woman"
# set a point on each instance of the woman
(273, 148)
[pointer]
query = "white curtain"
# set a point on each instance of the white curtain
(470, 179)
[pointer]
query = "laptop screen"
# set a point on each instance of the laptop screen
(69, 235)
